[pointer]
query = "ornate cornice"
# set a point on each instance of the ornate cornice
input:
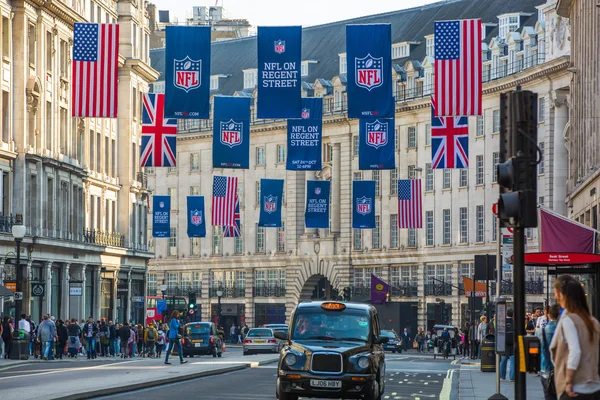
(61, 10)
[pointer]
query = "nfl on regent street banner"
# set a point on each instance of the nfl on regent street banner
(376, 145)
(305, 137)
(231, 132)
(196, 227)
(317, 204)
(369, 66)
(161, 216)
(271, 191)
(187, 75)
(279, 77)
(363, 204)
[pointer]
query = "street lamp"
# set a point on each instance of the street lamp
(18, 231)
(163, 289)
(219, 295)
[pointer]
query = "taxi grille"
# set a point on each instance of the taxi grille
(326, 363)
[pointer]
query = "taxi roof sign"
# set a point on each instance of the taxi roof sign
(333, 306)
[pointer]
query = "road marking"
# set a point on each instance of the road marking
(447, 388)
(68, 369)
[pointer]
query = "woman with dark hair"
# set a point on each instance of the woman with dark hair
(63, 335)
(174, 337)
(574, 347)
(7, 332)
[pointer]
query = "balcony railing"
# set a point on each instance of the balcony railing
(406, 290)
(438, 289)
(6, 223)
(531, 287)
(359, 292)
(230, 291)
(268, 291)
(142, 178)
(183, 291)
(104, 238)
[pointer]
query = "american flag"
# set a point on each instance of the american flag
(410, 204)
(449, 141)
(95, 70)
(458, 67)
(223, 200)
(159, 134)
(236, 230)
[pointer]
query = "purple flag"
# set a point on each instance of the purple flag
(562, 235)
(379, 290)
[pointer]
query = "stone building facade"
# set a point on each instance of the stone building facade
(75, 181)
(266, 272)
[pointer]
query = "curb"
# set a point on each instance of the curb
(32, 362)
(146, 385)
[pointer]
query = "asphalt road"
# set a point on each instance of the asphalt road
(408, 377)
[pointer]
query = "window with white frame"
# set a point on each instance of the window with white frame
(281, 238)
(355, 145)
(394, 181)
(357, 176)
(430, 49)
(343, 65)
(152, 286)
(412, 238)
(195, 162)
(376, 234)
(194, 190)
(508, 23)
(480, 126)
(447, 184)
(412, 137)
(217, 241)
(377, 179)
(260, 156)
(260, 239)
(542, 164)
(496, 121)
(214, 82)
(464, 178)
(429, 228)
(412, 173)
(427, 134)
(479, 177)
(173, 242)
(357, 239)
(541, 110)
(250, 78)
(257, 191)
(467, 269)
(394, 231)
(304, 68)
(464, 225)
(194, 246)
(428, 87)
(361, 277)
(495, 162)
(428, 178)
(479, 216)
(447, 227)
(280, 153)
(400, 50)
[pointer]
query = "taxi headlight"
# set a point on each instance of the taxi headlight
(290, 359)
(363, 362)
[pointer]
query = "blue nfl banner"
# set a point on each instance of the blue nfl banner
(271, 191)
(317, 204)
(231, 132)
(305, 137)
(363, 204)
(369, 65)
(376, 144)
(196, 227)
(279, 77)
(187, 75)
(161, 216)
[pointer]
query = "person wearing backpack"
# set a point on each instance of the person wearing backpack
(509, 348)
(150, 336)
(160, 342)
(545, 334)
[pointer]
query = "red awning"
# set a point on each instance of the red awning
(559, 258)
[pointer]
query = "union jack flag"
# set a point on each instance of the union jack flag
(234, 231)
(159, 141)
(449, 141)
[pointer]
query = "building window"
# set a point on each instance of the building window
(429, 228)
(447, 178)
(376, 233)
(250, 78)
(447, 227)
(281, 238)
(257, 193)
(377, 179)
(194, 246)
(260, 156)
(357, 239)
(195, 162)
(494, 228)
(479, 171)
(541, 202)
(464, 225)
(412, 238)
(394, 181)
(280, 153)
(394, 231)
(343, 65)
(480, 224)
(355, 145)
(429, 51)
(541, 110)
(173, 242)
(412, 137)
(464, 177)
(214, 83)
(357, 176)
(238, 245)
(304, 68)
(400, 51)
(194, 190)
(428, 178)
(427, 134)
(411, 172)
(260, 239)
(172, 170)
(217, 247)
(152, 287)
(480, 126)
(495, 162)
(496, 121)
(542, 164)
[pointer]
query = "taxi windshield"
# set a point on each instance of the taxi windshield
(331, 325)
(198, 329)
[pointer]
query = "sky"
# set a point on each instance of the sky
(294, 12)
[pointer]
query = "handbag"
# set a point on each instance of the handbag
(549, 386)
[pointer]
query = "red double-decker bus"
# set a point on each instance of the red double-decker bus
(178, 303)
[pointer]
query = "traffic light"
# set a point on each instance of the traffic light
(347, 293)
(192, 303)
(519, 156)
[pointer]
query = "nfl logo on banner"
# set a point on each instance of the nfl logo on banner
(161, 218)
(187, 74)
(377, 134)
(318, 190)
(305, 113)
(369, 72)
(363, 205)
(161, 204)
(280, 46)
(196, 217)
(231, 133)
(196, 226)
(270, 204)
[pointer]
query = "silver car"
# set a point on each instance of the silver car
(260, 340)
(278, 328)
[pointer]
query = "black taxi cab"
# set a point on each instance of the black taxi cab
(332, 350)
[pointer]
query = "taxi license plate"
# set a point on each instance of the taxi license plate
(319, 383)
(258, 341)
(198, 344)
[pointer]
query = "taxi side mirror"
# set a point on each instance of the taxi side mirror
(381, 339)
(281, 335)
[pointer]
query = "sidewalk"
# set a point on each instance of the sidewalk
(476, 385)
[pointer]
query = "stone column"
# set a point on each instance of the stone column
(249, 298)
(128, 305)
(97, 292)
(336, 189)
(65, 312)
(113, 300)
(48, 272)
(82, 310)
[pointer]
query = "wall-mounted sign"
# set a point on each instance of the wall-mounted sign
(137, 299)
(11, 285)
(75, 291)
(38, 289)
(229, 309)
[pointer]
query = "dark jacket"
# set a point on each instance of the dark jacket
(61, 331)
(510, 329)
(124, 333)
(86, 329)
(113, 331)
(74, 330)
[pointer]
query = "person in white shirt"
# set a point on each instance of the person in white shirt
(542, 320)
(24, 325)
